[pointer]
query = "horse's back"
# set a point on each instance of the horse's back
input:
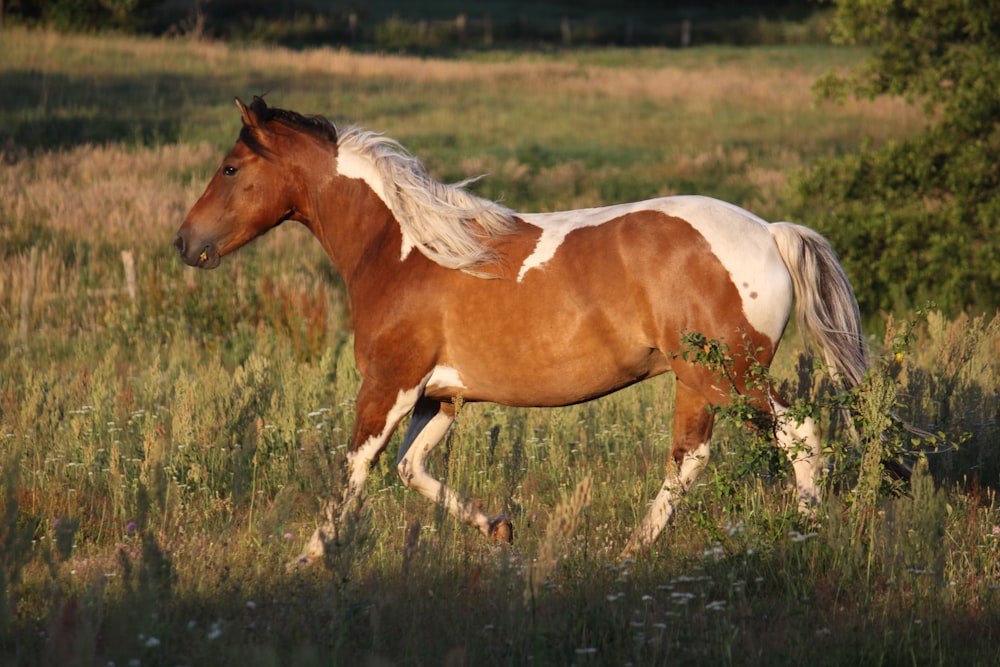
(726, 234)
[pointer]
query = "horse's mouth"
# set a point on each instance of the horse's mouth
(207, 258)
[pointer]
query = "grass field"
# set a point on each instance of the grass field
(164, 455)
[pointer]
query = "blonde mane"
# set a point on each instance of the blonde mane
(446, 223)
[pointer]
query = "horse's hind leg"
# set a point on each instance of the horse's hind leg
(689, 454)
(429, 424)
(801, 443)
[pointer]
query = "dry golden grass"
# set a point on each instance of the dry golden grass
(116, 194)
(94, 196)
(770, 88)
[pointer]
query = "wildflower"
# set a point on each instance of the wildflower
(796, 536)
(681, 598)
(289, 536)
(152, 642)
(130, 528)
(716, 552)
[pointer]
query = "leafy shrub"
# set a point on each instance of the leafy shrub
(917, 219)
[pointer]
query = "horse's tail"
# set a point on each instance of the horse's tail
(825, 306)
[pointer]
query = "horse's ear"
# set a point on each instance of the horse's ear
(249, 117)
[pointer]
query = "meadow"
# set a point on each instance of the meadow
(165, 445)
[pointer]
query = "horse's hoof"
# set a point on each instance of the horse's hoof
(502, 530)
(313, 553)
(301, 563)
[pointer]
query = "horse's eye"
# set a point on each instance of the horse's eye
(229, 171)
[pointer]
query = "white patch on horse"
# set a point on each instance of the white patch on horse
(352, 164)
(737, 237)
(443, 377)
(747, 250)
(359, 460)
(556, 226)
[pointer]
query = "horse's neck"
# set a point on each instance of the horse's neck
(356, 229)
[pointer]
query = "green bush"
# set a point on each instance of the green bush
(917, 220)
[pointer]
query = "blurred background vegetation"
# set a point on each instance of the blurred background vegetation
(443, 24)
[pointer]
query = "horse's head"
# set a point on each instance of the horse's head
(252, 192)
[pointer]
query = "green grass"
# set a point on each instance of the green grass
(161, 461)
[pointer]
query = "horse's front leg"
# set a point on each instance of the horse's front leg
(379, 410)
(431, 421)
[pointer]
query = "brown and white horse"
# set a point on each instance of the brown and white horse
(456, 296)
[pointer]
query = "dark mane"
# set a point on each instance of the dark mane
(316, 125)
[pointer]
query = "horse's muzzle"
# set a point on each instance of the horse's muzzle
(205, 257)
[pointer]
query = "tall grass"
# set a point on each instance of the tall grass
(163, 458)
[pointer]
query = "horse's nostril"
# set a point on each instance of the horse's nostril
(180, 244)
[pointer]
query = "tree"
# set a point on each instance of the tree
(918, 219)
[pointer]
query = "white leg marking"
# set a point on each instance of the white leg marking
(661, 511)
(801, 443)
(692, 465)
(359, 460)
(358, 463)
(413, 473)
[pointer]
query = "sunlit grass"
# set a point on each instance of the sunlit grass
(162, 459)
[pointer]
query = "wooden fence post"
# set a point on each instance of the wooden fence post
(128, 261)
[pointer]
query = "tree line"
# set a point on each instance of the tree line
(918, 220)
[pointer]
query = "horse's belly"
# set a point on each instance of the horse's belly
(524, 378)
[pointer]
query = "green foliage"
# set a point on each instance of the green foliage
(86, 15)
(917, 219)
(440, 25)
